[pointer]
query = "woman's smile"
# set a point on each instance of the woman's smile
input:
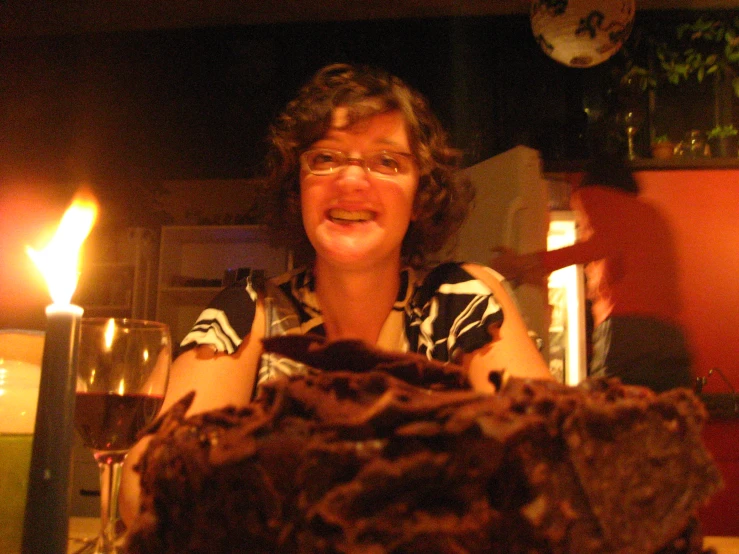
(341, 216)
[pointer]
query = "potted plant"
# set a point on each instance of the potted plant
(706, 47)
(702, 53)
(723, 141)
(662, 147)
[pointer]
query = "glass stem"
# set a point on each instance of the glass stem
(630, 132)
(111, 465)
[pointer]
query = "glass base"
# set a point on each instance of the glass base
(111, 538)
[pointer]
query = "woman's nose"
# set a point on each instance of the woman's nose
(354, 174)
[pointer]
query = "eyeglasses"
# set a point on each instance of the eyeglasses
(325, 161)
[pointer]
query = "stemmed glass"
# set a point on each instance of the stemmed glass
(633, 110)
(122, 375)
(631, 119)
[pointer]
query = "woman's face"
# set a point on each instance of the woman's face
(353, 216)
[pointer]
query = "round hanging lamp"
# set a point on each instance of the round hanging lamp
(581, 33)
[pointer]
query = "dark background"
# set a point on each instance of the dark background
(196, 103)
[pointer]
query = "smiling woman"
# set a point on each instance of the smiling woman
(362, 188)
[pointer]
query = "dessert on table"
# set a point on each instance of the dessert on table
(370, 451)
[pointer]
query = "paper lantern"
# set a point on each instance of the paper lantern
(581, 33)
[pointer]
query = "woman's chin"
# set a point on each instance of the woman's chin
(355, 244)
(349, 250)
(343, 254)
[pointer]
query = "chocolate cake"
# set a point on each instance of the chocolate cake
(379, 452)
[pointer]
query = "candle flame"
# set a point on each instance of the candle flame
(58, 261)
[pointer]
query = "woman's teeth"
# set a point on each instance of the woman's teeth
(352, 216)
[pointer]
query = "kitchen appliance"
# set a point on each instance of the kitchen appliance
(512, 209)
(567, 336)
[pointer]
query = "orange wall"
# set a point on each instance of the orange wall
(702, 207)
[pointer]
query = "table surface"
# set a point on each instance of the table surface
(81, 529)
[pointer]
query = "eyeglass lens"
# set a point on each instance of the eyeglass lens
(327, 161)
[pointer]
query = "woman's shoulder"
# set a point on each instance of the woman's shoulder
(301, 275)
(457, 277)
(230, 315)
(457, 272)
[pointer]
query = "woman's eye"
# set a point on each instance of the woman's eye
(387, 162)
(324, 159)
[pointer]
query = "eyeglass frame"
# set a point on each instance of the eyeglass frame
(352, 160)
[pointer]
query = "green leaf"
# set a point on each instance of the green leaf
(722, 131)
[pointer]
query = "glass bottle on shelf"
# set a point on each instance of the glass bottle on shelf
(693, 145)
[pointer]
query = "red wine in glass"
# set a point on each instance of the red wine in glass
(109, 421)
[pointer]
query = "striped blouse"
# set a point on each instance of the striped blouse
(441, 314)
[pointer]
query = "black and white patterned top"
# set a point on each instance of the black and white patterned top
(441, 314)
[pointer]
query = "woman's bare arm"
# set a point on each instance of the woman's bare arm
(218, 380)
(512, 350)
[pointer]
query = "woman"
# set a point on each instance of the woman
(363, 190)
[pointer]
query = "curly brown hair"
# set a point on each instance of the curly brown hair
(442, 198)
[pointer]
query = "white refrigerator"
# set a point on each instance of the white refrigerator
(512, 209)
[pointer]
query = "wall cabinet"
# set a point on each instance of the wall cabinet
(117, 278)
(193, 261)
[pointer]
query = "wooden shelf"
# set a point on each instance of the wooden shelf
(203, 253)
(189, 295)
(677, 162)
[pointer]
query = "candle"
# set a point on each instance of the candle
(46, 521)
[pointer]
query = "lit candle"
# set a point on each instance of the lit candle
(46, 522)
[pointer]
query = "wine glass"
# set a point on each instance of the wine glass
(631, 119)
(122, 375)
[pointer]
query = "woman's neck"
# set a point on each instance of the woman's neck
(356, 303)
